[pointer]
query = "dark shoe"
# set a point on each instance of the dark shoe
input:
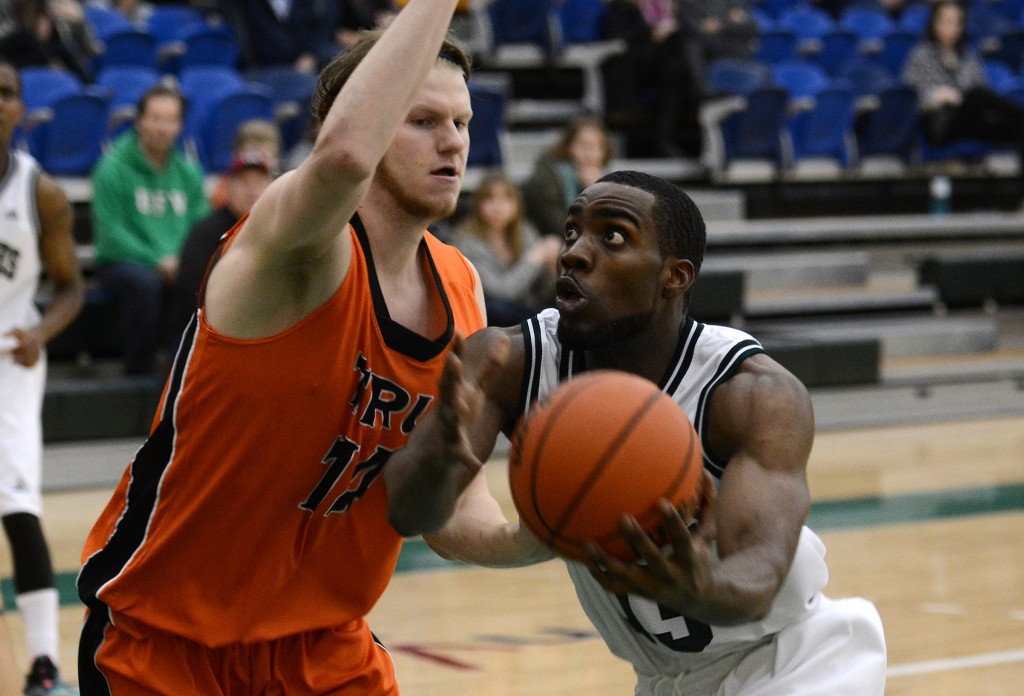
(44, 680)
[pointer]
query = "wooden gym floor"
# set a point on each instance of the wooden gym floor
(925, 520)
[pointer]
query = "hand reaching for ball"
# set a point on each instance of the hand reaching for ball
(675, 574)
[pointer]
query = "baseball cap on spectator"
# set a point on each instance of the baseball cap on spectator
(248, 160)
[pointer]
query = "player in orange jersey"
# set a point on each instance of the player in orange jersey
(258, 524)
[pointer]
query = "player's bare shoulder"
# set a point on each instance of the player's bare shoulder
(504, 391)
(762, 400)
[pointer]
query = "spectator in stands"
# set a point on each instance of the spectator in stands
(47, 32)
(576, 160)
(954, 99)
(357, 15)
(650, 92)
(35, 239)
(296, 33)
(135, 11)
(245, 180)
(517, 266)
(255, 135)
(146, 197)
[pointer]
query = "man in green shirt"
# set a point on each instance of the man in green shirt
(146, 196)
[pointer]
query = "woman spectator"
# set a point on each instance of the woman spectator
(517, 267)
(576, 161)
(954, 99)
(47, 33)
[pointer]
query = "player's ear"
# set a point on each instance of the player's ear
(677, 277)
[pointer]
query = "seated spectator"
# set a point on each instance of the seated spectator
(255, 135)
(296, 33)
(355, 16)
(244, 181)
(576, 161)
(47, 33)
(650, 90)
(954, 99)
(517, 267)
(146, 197)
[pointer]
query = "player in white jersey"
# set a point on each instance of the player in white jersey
(35, 239)
(733, 605)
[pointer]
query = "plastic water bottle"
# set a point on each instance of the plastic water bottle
(941, 189)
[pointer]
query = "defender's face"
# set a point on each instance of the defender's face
(424, 166)
(611, 267)
(12, 108)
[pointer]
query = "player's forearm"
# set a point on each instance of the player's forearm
(62, 309)
(740, 589)
(488, 542)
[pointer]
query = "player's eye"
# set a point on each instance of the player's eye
(571, 233)
(615, 236)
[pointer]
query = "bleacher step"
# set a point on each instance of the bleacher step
(830, 303)
(770, 270)
(899, 335)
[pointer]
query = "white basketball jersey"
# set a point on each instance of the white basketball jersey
(656, 639)
(20, 261)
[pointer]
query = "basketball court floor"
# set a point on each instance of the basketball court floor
(926, 519)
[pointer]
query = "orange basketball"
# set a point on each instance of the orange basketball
(602, 445)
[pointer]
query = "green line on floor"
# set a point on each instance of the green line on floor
(828, 515)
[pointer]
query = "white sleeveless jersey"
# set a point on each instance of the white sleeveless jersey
(20, 261)
(655, 639)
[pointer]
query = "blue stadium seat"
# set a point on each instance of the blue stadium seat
(169, 21)
(216, 134)
(125, 85)
(825, 130)
(205, 44)
(487, 127)
(891, 129)
(999, 75)
(204, 85)
(104, 21)
(838, 47)
(755, 132)
(896, 46)
(524, 22)
(808, 23)
(41, 86)
(128, 47)
(914, 18)
(71, 140)
(866, 78)
(776, 45)
(735, 76)
(581, 21)
(801, 79)
(293, 93)
(870, 25)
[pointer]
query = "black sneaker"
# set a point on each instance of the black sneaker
(44, 680)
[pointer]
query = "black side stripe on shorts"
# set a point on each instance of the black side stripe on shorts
(147, 470)
(91, 681)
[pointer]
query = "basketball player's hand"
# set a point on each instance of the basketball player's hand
(462, 393)
(23, 346)
(676, 575)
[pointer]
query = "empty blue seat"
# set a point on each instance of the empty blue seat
(755, 132)
(825, 131)
(776, 45)
(735, 76)
(487, 127)
(891, 129)
(104, 21)
(41, 86)
(581, 21)
(125, 85)
(523, 22)
(128, 47)
(293, 92)
(215, 136)
(70, 142)
(801, 79)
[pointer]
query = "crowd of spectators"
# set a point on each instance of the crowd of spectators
(653, 91)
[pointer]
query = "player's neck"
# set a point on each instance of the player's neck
(648, 354)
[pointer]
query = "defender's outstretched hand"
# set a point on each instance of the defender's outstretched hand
(426, 477)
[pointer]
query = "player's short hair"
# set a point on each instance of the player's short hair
(679, 224)
(334, 76)
(161, 89)
(5, 63)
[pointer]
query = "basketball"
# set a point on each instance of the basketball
(602, 445)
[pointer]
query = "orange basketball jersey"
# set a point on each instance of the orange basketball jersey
(256, 508)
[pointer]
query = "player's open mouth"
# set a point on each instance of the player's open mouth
(450, 172)
(568, 296)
